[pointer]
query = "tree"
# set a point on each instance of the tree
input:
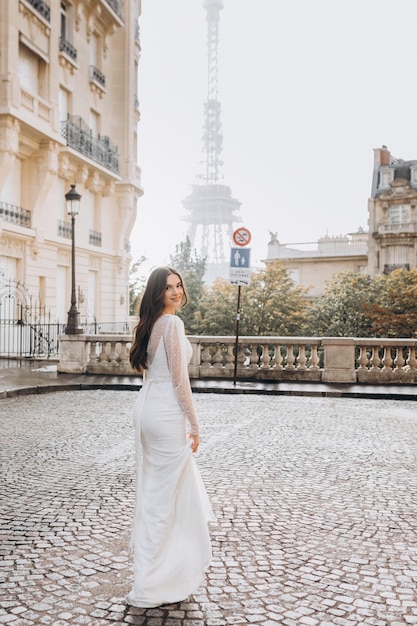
(395, 313)
(192, 267)
(274, 304)
(270, 305)
(342, 310)
(218, 308)
(136, 285)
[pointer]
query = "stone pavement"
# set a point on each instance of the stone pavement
(315, 498)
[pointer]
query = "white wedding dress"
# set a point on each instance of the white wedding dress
(170, 535)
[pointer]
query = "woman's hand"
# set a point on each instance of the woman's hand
(195, 442)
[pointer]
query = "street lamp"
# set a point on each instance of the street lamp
(73, 206)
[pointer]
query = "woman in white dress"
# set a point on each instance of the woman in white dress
(170, 535)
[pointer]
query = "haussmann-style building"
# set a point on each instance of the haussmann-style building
(69, 112)
(390, 242)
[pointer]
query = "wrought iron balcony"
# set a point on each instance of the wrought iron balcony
(390, 267)
(79, 136)
(116, 6)
(66, 47)
(42, 8)
(97, 76)
(94, 238)
(15, 214)
(64, 229)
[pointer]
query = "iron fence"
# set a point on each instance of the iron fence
(27, 329)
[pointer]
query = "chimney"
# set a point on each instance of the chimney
(382, 156)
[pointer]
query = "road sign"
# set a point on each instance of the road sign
(240, 257)
(239, 271)
(241, 237)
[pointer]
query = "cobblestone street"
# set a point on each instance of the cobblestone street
(315, 498)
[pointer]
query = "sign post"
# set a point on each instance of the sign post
(239, 274)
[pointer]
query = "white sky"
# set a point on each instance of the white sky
(308, 89)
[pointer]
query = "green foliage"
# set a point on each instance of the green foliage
(341, 310)
(395, 314)
(358, 305)
(270, 305)
(218, 309)
(192, 267)
(274, 304)
(136, 285)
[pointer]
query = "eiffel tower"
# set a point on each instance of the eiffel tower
(211, 209)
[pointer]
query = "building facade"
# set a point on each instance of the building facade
(312, 264)
(392, 214)
(69, 112)
(390, 243)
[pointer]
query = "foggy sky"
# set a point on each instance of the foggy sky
(307, 89)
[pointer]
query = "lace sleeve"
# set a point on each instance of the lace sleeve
(176, 350)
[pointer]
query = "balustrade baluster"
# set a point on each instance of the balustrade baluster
(399, 360)
(375, 360)
(302, 359)
(206, 355)
(241, 356)
(253, 361)
(387, 360)
(412, 361)
(103, 356)
(230, 357)
(124, 352)
(290, 358)
(113, 357)
(315, 360)
(265, 359)
(218, 358)
(363, 358)
(277, 358)
(93, 356)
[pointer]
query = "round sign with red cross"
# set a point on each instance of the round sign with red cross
(242, 236)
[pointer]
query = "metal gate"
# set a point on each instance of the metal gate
(25, 326)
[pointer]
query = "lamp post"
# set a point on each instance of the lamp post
(73, 206)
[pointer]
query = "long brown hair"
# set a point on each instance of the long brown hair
(151, 307)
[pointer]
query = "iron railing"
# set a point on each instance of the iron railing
(97, 76)
(67, 47)
(94, 238)
(15, 214)
(116, 6)
(79, 136)
(42, 8)
(64, 229)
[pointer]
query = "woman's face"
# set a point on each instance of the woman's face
(173, 294)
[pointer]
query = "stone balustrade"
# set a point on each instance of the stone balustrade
(309, 359)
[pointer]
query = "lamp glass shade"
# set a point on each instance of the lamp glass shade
(72, 199)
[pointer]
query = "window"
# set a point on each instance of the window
(32, 72)
(65, 43)
(399, 214)
(8, 268)
(63, 104)
(386, 178)
(94, 123)
(64, 21)
(93, 50)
